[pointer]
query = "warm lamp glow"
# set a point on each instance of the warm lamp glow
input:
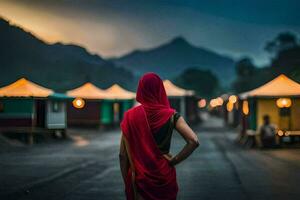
(233, 99)
(202, 103)
(220, 101)
(284, 102)
(280, 133)
(216, 102)
(287, 133)
(212, 103)
(78, 103)
(245, 107)
(229, 106)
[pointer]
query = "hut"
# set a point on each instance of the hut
(184, 101)
(118, 101)
(280, 99)
(25, 105)
(85, 110)
(95, 107)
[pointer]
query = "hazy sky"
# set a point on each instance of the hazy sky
(115, 27)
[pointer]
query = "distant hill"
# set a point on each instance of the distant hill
(57, 66)
(172, 58)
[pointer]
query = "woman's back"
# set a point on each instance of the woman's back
(164, 135)
(146, 165)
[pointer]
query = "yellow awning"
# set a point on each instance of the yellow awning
(173, 90)
(117, 92)
(88, 91)
(24, 88)
(280, 86)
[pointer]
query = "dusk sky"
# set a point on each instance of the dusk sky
(116, 27)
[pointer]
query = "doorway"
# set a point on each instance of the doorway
(40, 111)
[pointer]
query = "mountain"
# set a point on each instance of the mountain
(56, 66)
(172, 58)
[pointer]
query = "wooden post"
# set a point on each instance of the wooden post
(30, 137)
(33, 123)
(64, 134)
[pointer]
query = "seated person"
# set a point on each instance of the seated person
(267, 132)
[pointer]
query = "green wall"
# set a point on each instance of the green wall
(17, 108)
(126, 104)
(106, 112)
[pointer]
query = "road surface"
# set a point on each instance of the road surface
(86, 168)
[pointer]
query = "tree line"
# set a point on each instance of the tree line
(284, 53)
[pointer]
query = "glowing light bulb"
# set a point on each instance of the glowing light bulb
(245, 107)
(229, 106)
(280, 133)
(284, 102)
(78, 103)
(202, 103)
(233, 99)
(219, 101)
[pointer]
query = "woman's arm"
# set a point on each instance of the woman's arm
(191, 141)
(124, 161)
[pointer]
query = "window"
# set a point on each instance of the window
(56, 106)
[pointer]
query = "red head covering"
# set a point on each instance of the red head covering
(154, 178)
(152, 95)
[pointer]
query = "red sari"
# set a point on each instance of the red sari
(150, 173)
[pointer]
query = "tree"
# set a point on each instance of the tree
(204, 82)
(245, 67)
(286, 53)
(285, 49)
(245, 71)
(282, 41)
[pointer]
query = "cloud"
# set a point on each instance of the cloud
(113, 28)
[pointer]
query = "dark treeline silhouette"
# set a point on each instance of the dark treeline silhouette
(284, 52)
(203, 82)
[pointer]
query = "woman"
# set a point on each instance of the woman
(147, 166)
